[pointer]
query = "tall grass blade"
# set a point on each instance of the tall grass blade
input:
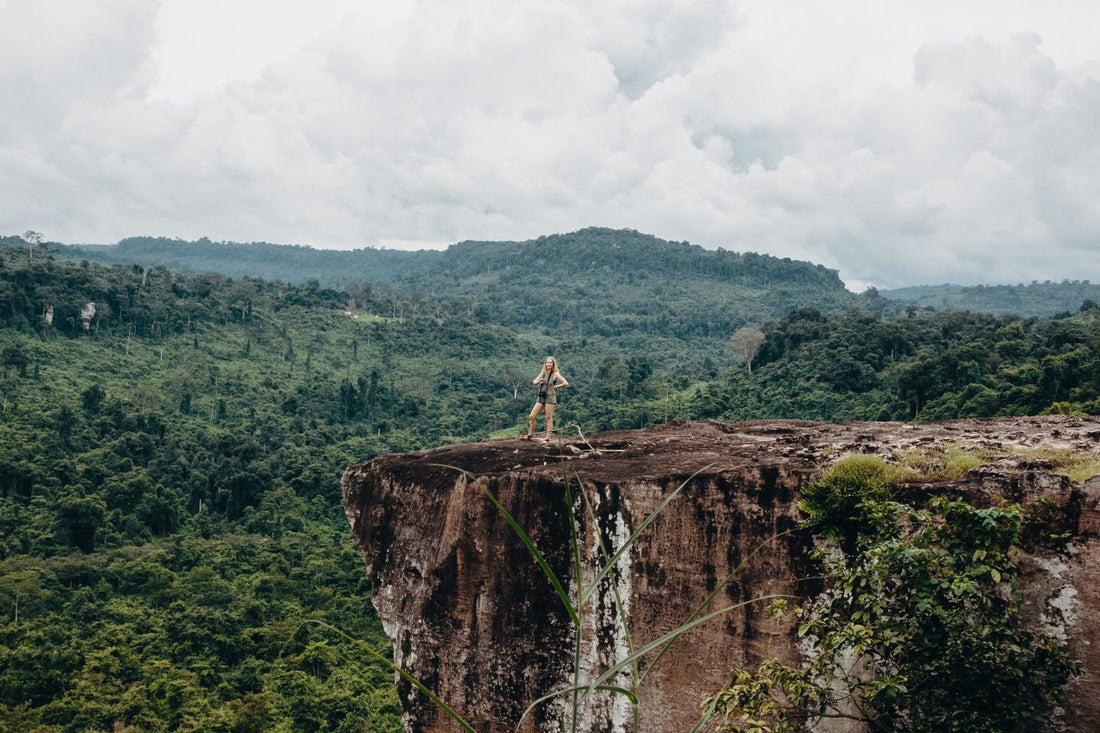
(550, 575)
(582, 688)
(562, 594)
(717, 589)
(630, 540)
(707, 715)
(580, 691)
(671, 636)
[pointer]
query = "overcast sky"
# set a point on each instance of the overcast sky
(899, 142)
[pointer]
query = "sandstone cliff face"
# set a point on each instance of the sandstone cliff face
(474, 618)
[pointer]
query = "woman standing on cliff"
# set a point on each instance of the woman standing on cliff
(549, 380)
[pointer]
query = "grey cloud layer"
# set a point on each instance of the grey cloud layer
(500, 119)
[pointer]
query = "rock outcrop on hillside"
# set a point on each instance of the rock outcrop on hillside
(473, 617)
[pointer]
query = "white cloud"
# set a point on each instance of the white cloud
(55, 52)
(951, 143)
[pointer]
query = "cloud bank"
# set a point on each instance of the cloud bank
(858, 138)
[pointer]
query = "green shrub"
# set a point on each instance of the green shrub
(919, 629)
(839, 504)
(945, 464)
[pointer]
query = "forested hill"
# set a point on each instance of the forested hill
(289, 263)
(596, 258)
(580, 252)
(627, 286)
(631, 288)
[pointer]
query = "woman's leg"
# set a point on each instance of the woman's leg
(549, 421)
(531, 418)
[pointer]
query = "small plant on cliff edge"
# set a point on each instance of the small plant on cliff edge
(942, 464)
(1075, 465)
(844, 500)
(919, 630)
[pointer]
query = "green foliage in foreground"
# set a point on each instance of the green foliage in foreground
(919, 628)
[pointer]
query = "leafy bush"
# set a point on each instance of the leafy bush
(919, 629)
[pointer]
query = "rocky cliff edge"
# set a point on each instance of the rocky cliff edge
(473, 617)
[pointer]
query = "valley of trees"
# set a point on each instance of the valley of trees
(170, 459)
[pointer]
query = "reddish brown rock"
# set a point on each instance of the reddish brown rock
(473, 617)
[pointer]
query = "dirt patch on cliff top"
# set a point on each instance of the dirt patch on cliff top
(683, 448)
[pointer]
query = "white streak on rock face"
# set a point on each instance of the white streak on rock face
(844, 717)
(1060, 613)
(1053, 566)
(847, 720)
(619, 617)
(605, 640)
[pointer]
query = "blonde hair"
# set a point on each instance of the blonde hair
(543, 372)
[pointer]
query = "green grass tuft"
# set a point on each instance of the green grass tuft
(949, 463)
